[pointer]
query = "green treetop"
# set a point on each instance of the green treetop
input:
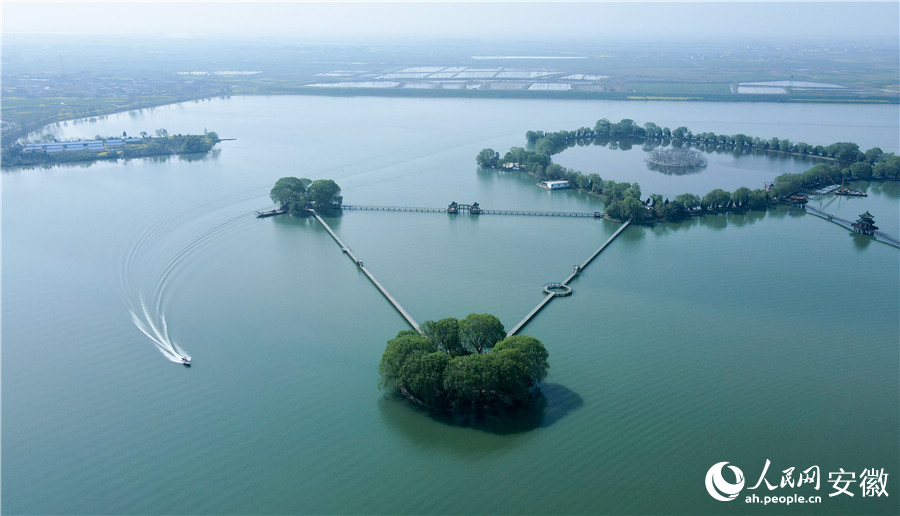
(466, 365)
(444, 334)
(299, 195)
(479, 332)
(487, 158)
(325, 195)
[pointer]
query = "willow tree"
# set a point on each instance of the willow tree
(324, 195)
(479, 332)
(535, 354)
(444, 335)
(487, 158)
(289, 193)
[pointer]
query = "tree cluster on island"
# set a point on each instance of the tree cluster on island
(623, 200)
(163, 144)
(298, 196)
(464, 365)
(676, 157)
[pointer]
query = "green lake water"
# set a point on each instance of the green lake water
(735, 338)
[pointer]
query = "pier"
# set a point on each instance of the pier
(576, 270)
(551, 290)
(359, 263)
(482, 211)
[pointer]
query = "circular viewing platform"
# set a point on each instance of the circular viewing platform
(557, 289)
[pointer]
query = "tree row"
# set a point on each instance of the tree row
(554, 142)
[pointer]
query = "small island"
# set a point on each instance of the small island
(53, 152)
(298, 196)
(676, 157)
(464, 366)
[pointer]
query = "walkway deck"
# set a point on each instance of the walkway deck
(589, 214)
(409, 319)
(570, 277)
(530, 315)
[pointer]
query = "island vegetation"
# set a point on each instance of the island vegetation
(676, 157)
(624, 201)
(108, 148)
(464, 365)
(298, 196)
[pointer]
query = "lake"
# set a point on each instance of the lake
(739, 338)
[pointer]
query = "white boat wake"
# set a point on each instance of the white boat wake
(148, 266)
(168, 347)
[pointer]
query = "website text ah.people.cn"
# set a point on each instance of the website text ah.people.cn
(784, 500)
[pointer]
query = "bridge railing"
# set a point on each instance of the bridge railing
(467, 207)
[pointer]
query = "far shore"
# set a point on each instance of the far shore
(106, 108)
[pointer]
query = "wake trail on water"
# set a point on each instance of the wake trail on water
(168, 347)
(146, 266)
(178, 258)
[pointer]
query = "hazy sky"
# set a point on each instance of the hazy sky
(496, 20)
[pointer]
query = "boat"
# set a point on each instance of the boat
(271, 213)
(186, 361)
(849, 191)
(798, 200)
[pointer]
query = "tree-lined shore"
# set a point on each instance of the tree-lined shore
(624, 200)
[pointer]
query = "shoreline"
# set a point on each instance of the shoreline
(567, 95)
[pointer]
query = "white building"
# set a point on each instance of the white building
(555, 185)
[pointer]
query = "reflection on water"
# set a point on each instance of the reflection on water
(861, 241)
(157, 159)
(211, 155)
(674, 171)
(49, 166)
(163, 158)
(548, 405)
(890, 189)
(721, 221)
(717, 221)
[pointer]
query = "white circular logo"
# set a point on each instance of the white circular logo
(717, 486)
